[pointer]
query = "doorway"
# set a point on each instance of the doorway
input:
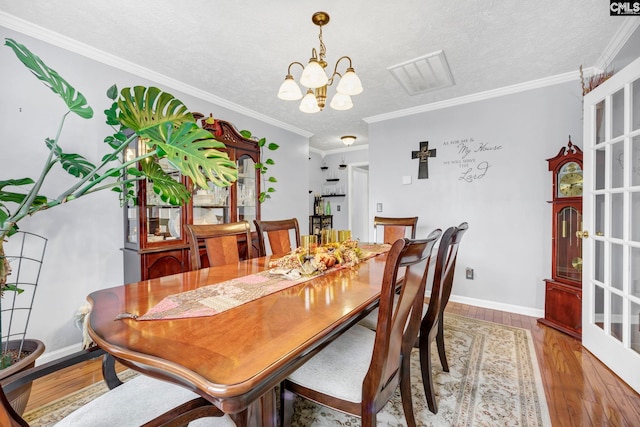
(359, 201)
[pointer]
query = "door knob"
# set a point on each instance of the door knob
(583, 234)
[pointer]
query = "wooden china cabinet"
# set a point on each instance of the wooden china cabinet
(155, 240)
(563, 292)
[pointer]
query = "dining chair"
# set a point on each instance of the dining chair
(140, 401)
(278, 234)
(447, 286)
(359, 371)
(394, 228)
(429, 326)
(221, 243)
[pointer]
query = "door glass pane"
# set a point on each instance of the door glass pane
(635, 159)
(616, 316)
(635, 272)
(617, 113)
(617, 215)
(617, 164)
(634, 212)
(634, 322)
(635, 112)
(599, 122)
(163, 219)
(211, 206)
(598, 258)
(247, 198)
(616, 266)
(599, 214)
(600, 168)
(598, 299)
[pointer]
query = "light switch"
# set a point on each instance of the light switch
(379, 207)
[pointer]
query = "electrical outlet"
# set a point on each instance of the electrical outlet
(338, 208)
(469, 273)
(379, 207)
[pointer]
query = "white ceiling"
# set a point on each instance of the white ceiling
(239, 50)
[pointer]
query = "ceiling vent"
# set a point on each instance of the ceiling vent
(423, 74)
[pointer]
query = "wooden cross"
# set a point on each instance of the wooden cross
(423, 155)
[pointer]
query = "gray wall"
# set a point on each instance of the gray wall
(490, 171)
(85, 237)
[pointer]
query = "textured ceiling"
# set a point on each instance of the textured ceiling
(240, 50)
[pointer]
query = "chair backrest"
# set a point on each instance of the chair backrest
(443, 266)
(277, 232)
(392, 331)
(394, 228)
(220, 242)
(447, 281)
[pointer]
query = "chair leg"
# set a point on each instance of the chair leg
(285, 412)
(405, 392)
(427, 377)
(441, 349)
(369, 419)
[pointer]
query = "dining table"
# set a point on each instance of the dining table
(236, 355)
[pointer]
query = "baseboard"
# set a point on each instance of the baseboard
(48, 356)
(518, 309)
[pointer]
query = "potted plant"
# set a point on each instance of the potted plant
(138, 114)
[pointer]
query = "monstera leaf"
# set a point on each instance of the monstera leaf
(169, 190)
(172, 130)
(75, 101)
(74, 164)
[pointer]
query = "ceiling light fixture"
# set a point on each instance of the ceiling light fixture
(348, 140)
(316, 81)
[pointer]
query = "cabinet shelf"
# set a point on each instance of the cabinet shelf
(333, 195)
(333, 179)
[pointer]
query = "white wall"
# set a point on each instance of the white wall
(85, 237)
(505, 198)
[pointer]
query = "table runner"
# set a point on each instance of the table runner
(219, 297)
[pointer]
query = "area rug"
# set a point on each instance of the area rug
(494, 380)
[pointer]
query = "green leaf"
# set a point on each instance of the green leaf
(143, 108)
(76, 102)
(272, 179)
(270, 162)
(261, 142)
(9, 196)
(112, 92)
(259, 166)
(169, 190)
(271, 190)
(245, 133)
(112, 115)
(74, 164)
(273, 146)
(194, 151)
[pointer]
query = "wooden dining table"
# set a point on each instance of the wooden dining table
(234, 358)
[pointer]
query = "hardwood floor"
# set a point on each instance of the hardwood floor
(580, 390)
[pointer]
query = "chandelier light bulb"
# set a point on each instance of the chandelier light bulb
(350, 83)
(309, 103)
(289, 90)
(340, 101)
(313, 75)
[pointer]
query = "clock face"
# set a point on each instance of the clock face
(570, 180)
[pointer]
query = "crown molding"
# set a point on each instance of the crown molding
(339, 150)
(20, 25)
(480, 96)
(621, 37)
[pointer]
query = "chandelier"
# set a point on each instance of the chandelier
(316, 81)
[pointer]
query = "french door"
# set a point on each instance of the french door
(611, 227)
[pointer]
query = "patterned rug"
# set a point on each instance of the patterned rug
(494, 380)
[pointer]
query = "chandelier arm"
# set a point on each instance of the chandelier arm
(293, 63)
(323, 48)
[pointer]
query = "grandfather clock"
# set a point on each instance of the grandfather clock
(563, 292)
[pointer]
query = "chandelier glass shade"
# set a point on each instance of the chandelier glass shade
(348, 140)
(315, 79)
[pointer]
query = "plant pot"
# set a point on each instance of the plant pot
(19, 397)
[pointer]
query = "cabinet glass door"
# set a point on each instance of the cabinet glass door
(246, 190)
(211, 206)
(163, 219)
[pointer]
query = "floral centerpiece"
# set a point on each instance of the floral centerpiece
(302, 262)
